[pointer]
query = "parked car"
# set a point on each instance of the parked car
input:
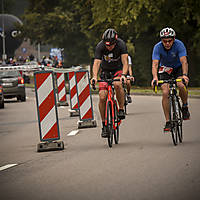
(1, 95)
(13, 84)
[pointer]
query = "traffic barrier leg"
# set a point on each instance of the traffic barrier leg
(74, 111)
(47, 112)
(84, 100)
(61, 89)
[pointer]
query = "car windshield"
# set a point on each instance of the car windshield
(9, 74)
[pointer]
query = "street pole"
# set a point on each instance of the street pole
(4, 56)
(38, 52)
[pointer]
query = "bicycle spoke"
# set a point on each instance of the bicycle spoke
(172, 115)
(110, 125)
(116, 131)
(180, 121)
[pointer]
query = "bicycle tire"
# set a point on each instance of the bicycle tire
(180, 120)
(172, 117)
(109, 124)
(125, 106)
(125, 101)
(116, 121)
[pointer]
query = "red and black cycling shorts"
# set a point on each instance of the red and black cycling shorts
(108, 75)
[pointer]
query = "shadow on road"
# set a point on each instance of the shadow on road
(141, 113)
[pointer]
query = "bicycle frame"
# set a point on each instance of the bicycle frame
(110, 98)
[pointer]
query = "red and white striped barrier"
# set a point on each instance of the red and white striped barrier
(84, 100)
(47, 111)
(74, 111)
(62, 94)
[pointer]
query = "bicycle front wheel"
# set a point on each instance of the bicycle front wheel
(180, 120)
(109, 124)
(116, 120)
(173, 121)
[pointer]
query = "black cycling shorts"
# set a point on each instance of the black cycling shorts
(108, 75)
(175, 73)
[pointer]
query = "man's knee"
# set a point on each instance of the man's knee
(117, 85)
(103, 96)
(181, 86)
(165, 93)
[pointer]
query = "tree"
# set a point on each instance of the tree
(77, 26)
(56, 23)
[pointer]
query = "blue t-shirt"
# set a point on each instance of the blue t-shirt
(169, 58)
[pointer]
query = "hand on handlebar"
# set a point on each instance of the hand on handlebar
(154, 84)
(93, 82)
(132, 79)
(186, 79)
(123, 79)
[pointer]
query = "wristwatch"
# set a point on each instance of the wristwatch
(185, 75)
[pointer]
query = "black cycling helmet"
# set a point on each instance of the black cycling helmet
(109, 37)
(167, 33)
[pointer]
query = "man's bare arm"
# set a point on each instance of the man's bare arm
(124, 58)
(155, 70)
(96, 67)
(184, 63)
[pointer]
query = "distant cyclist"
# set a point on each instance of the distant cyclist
(130, 79)
(169, 60)
(111, 56)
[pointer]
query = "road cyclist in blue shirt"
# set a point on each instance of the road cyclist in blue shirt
(169, 60)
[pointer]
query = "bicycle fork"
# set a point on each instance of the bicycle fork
(113, 118)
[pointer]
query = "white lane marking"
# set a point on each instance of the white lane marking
(7, 166)
(73, 133)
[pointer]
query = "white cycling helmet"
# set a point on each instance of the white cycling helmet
(167, 33)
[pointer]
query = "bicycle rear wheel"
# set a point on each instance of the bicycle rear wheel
(173, 121)
(109, 124)
(116, 120)
(125, 105)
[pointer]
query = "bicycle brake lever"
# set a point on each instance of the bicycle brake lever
(183, 80)
(155, 86)
(132, 82)
(93, 85)
(123, 83)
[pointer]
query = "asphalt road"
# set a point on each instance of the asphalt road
(145, 164)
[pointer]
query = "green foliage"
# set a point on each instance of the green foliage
(6, 6)
(77, 26)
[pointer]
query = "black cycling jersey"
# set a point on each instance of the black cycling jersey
(111, 60)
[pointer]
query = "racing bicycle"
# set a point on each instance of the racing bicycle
(112, 121)
(175, 111)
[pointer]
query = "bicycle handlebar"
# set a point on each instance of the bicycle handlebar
(170, 81)
(110, 81)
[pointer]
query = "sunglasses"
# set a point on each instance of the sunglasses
(167, 41)
(108, 44)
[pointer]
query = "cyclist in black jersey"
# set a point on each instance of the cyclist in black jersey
(111, 56)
